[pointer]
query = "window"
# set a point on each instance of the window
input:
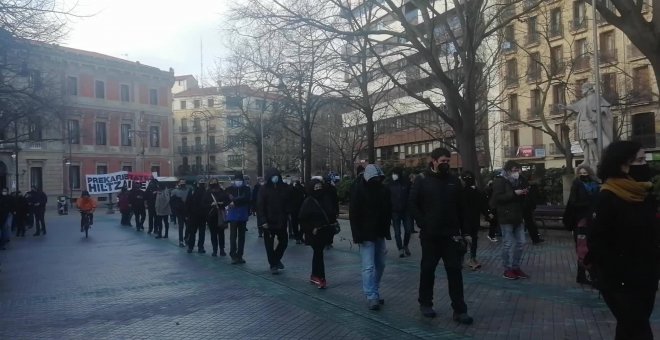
(235, 161)
(210, 102)
(196, 103)
(607, 47)
(72, 86)
(73, 130)
(234, 121)
(643, 129)
(581, 54)
(513, 106)
(234, 141)
(153, 97)
(99, 89)
(559, 94)
(101, 169)
(514, 138)
(211, 159)
(34, 129)
(100, 133)
(609, 88)
(532, 33)
(182, 105)
(212, 140)
(126, 135)
(125, 93)
(197, 124)
(36, 177)
(556, 26)
(641, 85)
(154, 136)
(234, 102)
(556, 60)
(534, 66)
(537, 137)
(156, 169)
(74, 176)
(127, 168)
(579, 15)
(511, 72)
(535, 103)
(560, 130)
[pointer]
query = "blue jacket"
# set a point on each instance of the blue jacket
(241, 197)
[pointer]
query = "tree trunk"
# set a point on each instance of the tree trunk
(568, 156)
(468, 150)
(307, 155)
(371, 142)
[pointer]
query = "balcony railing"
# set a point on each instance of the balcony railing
(553, 150)
(647, 140)
(556, 31)
(533, 113)
(640, 95)
(191, 149)
(532, 38)
(557, 68)
(184, 129)
(197, 128)
(608, 56)
(581, 63)
(578, 24)
(512, 116)
(534, 74)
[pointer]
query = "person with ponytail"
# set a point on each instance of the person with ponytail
(623, 240)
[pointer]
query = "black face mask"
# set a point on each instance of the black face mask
(584, 178)
(443, 168)
(469, 181)
(640, 172)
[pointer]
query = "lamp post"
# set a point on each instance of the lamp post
(141, 134)
(14, 156)
(599, 118)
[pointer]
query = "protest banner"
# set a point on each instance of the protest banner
(113, 182)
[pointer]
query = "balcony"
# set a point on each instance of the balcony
(557, 68)
(534, 75)
(213, 148)
(578, 24)
(512, 80)
(512, 116)
(533, 113)
(191, 149)
(184, 129)
(532, 38)
(556, 31)
(555, 109)
(647, 140)
(197, 128)
(640, 95)
(608, 56)
(634, 52)
(34, 145)
(582, 63)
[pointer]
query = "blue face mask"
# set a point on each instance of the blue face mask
(275, 179)
(238, 183)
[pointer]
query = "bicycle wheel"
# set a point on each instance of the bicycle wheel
(86, 229)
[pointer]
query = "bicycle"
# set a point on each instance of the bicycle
(85, 222)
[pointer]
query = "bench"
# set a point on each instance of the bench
(549, 213)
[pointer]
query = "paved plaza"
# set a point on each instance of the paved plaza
(124, 284)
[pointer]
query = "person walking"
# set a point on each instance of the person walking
(529, 206)
(123, 202)
(21, 213)
(214, 203)
(136, 200)
(475, 205)
(197, 212)
(624, 240)
(508, 198)
(163, 211)
(87, 205)
(578, 215)
(255, 194)
(317, 218)
(237, 216)
(37, 201)
(399, 192)
(297, 199)
(150, 199)
(370, 214)
(178, 205)
(6, 207)
(437, 204)
(272, 216)
(494, 230)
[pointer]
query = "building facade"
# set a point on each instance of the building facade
(109, 115)
(547, 57)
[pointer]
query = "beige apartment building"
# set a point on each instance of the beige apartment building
(547, 56)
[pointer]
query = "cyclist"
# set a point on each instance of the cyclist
(86, 205)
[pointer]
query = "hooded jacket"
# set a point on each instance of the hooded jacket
(436, 202)
(241, 197)
(509, 205)
(136, 198)
(273, 202)
(162, 202)
(211, 210)
(399, 193)
(370, 211)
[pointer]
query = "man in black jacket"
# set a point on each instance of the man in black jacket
(38, 200)
(437, 205)
(370, 213)
(475, 203)
(509, 193)
(197, 213)
(399, 192)
(150, 198)
(297, 198)
(136, 201)
(272, 217)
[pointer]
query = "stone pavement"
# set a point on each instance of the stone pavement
(123, 284)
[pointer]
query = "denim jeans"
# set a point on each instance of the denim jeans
(399, 219)
(373, 263)
(512, 234)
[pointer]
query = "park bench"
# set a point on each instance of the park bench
(545, 213)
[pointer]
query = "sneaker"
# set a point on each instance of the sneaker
(315, 280)
(280, 266)
(492, 238)
(214, 254)
(189, 251)
(374, 304)
(520, 274)
(510, 275)
(235, 260)
(475, 264)
(181, 245)
(222, 252)
(463, 318)
(427, 311)
(274, 270)
(407, 251)
(402, 253)
(322, 284)
(202, 251)
(158, 236)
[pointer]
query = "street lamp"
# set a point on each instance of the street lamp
(14, 157)
(141, 134)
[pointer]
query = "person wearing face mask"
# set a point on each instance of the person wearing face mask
(197, 213)
(237, 216)
(255, 194)
(370, 216)
(579, 213)
(623, 241)
(317, 218)
(399, 191)
(331, 191)
(475, 203)
(214, 203)
(297, 199)
(5, 217)
(508, 198)
(438, 208)
(272, 217)
(178, 205)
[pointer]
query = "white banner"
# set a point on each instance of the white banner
(107, 183)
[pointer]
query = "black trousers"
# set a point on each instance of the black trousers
(632, 310)
(530, 225)
(152, 218)
(183, 231)
(139, 217)
(39, 219)
(318, 265)
(125, 217)
(20, 222)
(294, 226)
(273, 253)
(196, 225)
(494, 228)
(236, 239)
(217, 235)
(163, 220)
(435, 248)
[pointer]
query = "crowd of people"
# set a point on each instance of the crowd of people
(19, 212)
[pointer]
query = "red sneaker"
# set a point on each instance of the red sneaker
(322, 284)
(509, 274)
(520, 274)
(315, 280)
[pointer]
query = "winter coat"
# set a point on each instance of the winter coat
(475, 205)
(241, 197)
(317, 212)
(624, 244)
(273, 203)
(86, 204)
(436, 203)
(162, 203)
(195, 204)
(211, 210)
(297, 198)
(399, 195)
(37, 199)
(123, 201)
(136, 198)
(6, 207)
(509, 205)
(255, 196)
(581, 203)
(150, 197)
(178, 200)
(370, 211)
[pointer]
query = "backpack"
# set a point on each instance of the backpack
(177, 205)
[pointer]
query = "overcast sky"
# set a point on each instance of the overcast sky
(158, 33)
